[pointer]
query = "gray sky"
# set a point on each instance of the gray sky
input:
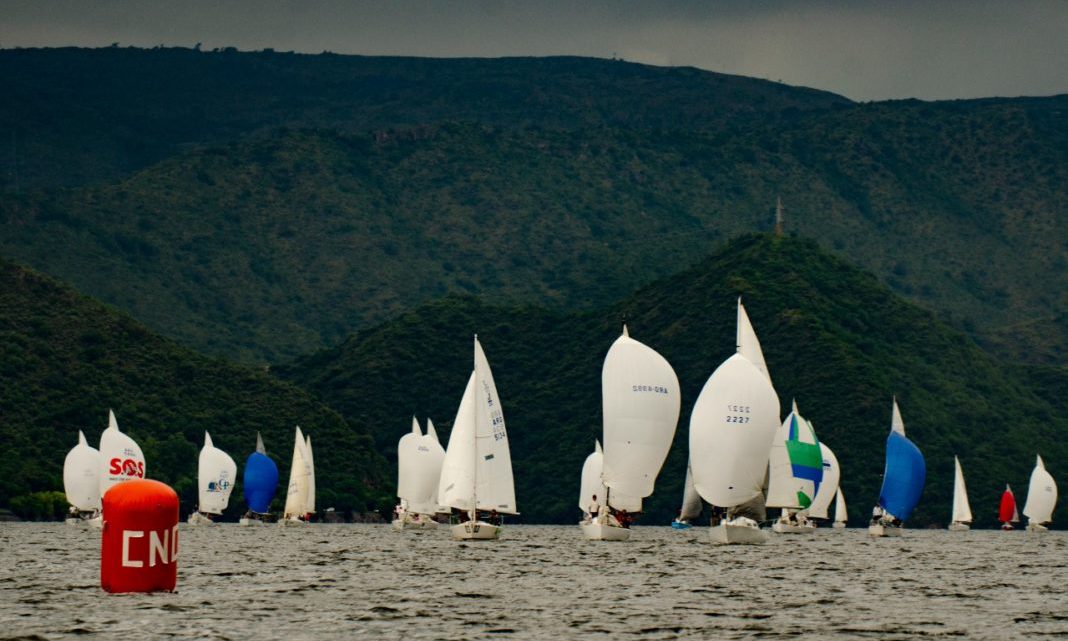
(864, 49)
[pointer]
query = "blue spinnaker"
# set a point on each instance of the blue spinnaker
(261, 481)
(903, 478)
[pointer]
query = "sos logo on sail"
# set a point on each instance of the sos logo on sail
(128, 466)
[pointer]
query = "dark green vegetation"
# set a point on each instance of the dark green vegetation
(834, 338)
(563, 182)
(65, 359)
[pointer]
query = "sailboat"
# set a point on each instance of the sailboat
(640, 403)
(962, 512)
(1041, 498)
(795, 473)
(121, 458)
(691, 503)
(260, 483)
(476, 474)
(828, 486)
(419, 458)
(216, 473)
(300, 498)
(731, 430)
(840, 513)
(903, 479)
(81, 482)
(1007, 513)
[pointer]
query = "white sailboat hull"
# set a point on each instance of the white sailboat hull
(733, 533)
(604, 532)
(406, 523)
(475, 531)
(247, 521)
(197, 518)
(291, 522)
(1036, 527)
(884, 530)
(792, 528)
(959, 527)
(838, 525)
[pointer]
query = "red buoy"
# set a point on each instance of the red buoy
(140, 543)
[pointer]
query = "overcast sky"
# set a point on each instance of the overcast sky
(863, 49)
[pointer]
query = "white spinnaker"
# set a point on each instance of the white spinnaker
(495, 487)
(1041, 495)
(962, 511)
(731, 429)
(640, 401)
(747, 342)
(591, 484)
(216, 473)
(121, 458)
(299, 476)
(840, 514)
(828, 487)
(407, 457)
(419, 469)
(81, 476)
(309, 499)
(456, 487)
(691, 500)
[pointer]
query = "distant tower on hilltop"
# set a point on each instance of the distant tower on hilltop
(778, 216)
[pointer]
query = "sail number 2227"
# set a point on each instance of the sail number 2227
(737, 413)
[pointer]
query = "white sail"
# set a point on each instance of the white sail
(640, 400)
(731, 429)
(748, 345)
(456, 487)
(216, 473)
(121, 458)
(691, 500)
(896, 424)
(310, 460)
(1041, 495)
(591, 484)
(788, 486)
(829, 485)
(419, 459)
(299, 479)
(81, 476)
(840, 514)
(962, 512)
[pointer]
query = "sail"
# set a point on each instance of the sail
(494, 485)
(309, 498)
(299, 479)
(691, 500)
(591, 484)
(419, 459)
(840, 513)
(81, 476)
(731, 430)
(795, 464)
(747, 343)
(905, 471)
(121, 458)
(1041, 495)
(640, 402)
(1007, 508)
(829, 485)
(962, 512)
(260, 480)
(456, 487)
(216, 473)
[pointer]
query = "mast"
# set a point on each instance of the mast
(474, 442)
(778, 216)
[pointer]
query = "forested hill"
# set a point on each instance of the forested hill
(834, 338)
(86, 115)
(65, 360)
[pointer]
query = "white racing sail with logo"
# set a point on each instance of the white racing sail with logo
(81, 478)
(216, 473)
(419, 458)
(121, 458)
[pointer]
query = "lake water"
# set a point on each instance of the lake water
(542, 582)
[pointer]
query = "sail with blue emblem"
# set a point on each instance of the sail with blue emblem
(905, 472)
(261, 479)
(795, 464)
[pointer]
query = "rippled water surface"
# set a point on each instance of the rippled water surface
(543, 582)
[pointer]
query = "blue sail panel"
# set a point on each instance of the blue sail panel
(261, 481)
(903, 477)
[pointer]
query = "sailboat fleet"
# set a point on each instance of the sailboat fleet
(742, 460)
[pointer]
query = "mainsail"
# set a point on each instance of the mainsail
(81, 476)
(419, 460)
(640, 401)
(904, 474)
(216, 473)
(840, 513)
(796, 464)
(1041, 495)
(829, 485)
(300, 479)
(962, 511)
(121, 458)
(260, 480)
(691, 500)
(591, 484)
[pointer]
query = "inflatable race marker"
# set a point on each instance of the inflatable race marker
(140, 542)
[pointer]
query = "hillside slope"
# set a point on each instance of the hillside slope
(833, 337)
(66, 359)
